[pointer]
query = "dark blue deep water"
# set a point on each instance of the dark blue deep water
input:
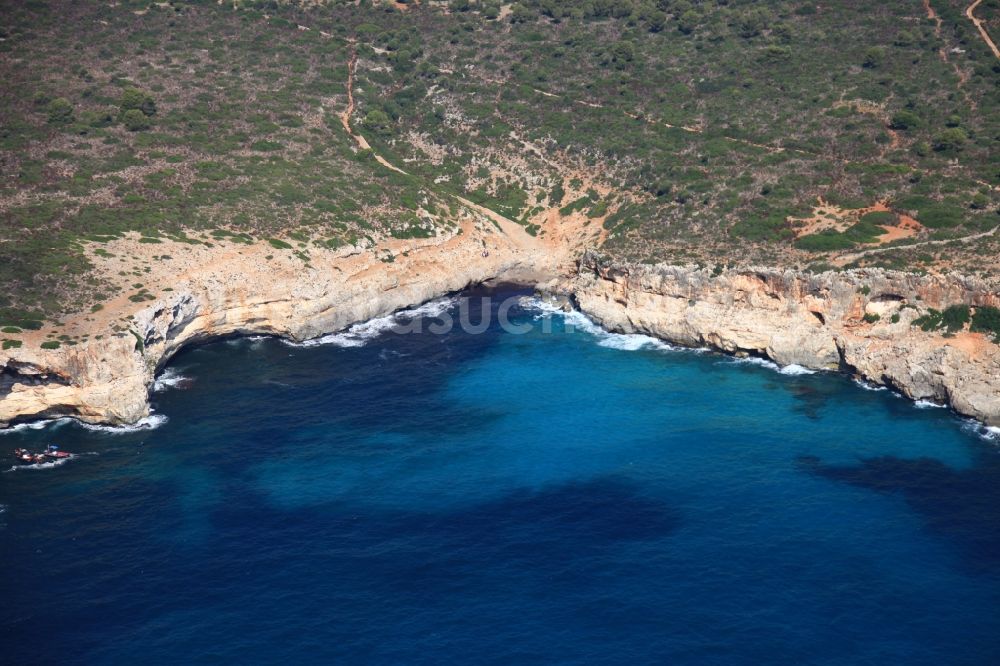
(564, 497)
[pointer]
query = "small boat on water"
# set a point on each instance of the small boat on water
(51, 453)
(26, 457)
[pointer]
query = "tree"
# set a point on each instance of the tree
(687, 21)
(521, 14)
(623, 51)
(135, 120)
(657, 20)
(904, 120)
(874, 57)
(378, 121)
(60, 111)
(952, 138)
(133, 98)
(751, 23)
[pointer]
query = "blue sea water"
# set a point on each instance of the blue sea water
(559, 497)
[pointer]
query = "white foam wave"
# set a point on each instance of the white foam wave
(756, 360)
(33, 425)
(149, 423)
(989, 433)
(542, 307)
(791, 370)
(170, 378)
(868, 386)
(359, 334)
(430, 309)
(927, 404)
(632, 342)
(795, 369)
(605, 338)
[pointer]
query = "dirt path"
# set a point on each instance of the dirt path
(847, 258)
(515, 232)
(970, 14)
(345, 116)
(932, 15)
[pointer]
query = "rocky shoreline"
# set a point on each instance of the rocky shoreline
(815, 321)
(241, 290)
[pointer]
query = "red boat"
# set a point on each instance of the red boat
(26, 457)
(51, 452)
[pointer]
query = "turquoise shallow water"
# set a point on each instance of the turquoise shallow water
(560, 497)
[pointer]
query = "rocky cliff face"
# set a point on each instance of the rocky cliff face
(212, 292)
(791, 317)
(815, 321)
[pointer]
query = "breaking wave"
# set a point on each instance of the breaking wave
(868, 386)
(989, 433)
(358, 335)
(148, 423)
(792, 369)
(928, 404)
(605, 338)
(34, 425)
(170, 378)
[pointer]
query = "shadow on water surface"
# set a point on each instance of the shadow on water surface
(960, 505)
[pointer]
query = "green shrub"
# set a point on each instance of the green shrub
(874, 57)
(986, 319)
(950, 139)
(133, 98)
(265, 146)
(930, 321)
(378, 121)
(940, 216)
(952, 319)
(879, 218)
(955, 317)
(279, 244)
(135, 120)
(51, 344)
(824, 241)
(871, 318)
(773, 227)
(60, 111)
(904, 120)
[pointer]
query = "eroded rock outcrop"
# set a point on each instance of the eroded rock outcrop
(816, 321)
(214, 291)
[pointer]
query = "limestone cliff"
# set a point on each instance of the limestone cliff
(217, 290)
(214, 291)
(815, 321)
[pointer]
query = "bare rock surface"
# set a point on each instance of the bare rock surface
(812, 320)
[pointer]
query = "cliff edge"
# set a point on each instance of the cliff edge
(817, 321)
